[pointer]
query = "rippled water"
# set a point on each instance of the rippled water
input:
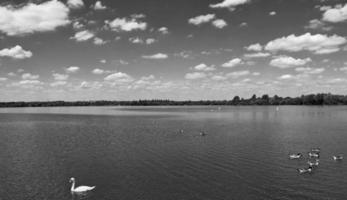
(138, 153)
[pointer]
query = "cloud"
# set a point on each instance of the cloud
(309, 70)
(272, 13)
(287, 62)
(99, 41)
(335, 15)
(3, 79)
(219, 23)
(58, 83)
(229, 3)
(98, 71)
(163, 30)
(238, 74)
(98, 6)
(201, 19)
(318, 44)
(257, 55)
(83, 36)
(119, 77)
(72, 69)
(60, 77)
(157, 56)
(232, 63)
(29, 76)
(285, 77)
(16, 52)
(127, 25)
(150, 40)
(204, 67)
(254, 47)
(75, 4)
(316, 24)
(195, 75)
(32, 18)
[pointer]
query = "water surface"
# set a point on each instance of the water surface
(138, 153)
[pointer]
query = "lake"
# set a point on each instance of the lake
(140, 153)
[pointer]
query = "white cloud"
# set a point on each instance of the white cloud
(195, 75)
(98, 71)
(119, 77)
(136, 40)
(287, 62)
(204, 67)
(219, 23)
(163, 30)
(229, 3)
(124, 24)
(77, 25)
(75, 4)
(102, 61)
(316, 24)
(309, 70)
(32, 18)
(157, 56)
(60, 77)
(58, 83)
(16, 52)
(201, 19)
(335, 15)
(232, 63)
(286, 77)
(3, 79)
(83, 36)
(257, 55)
(98, 6)
(254, 47)
(272, 13)
(72, 69)
(150, 40)
(99, 41)
(238, 74)
(29, 76)
(318, 44)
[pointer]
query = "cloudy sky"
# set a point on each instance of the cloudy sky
(181, 49)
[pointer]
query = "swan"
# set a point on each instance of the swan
(338, 157)
(295, 156)
(313, 155)
(305, 170)
(79, 189)
(316, 163)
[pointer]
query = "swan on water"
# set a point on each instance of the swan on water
(295, 156)
(305, 170)
(311, 164)
(313, 155)
(79, 189)
(338, 157)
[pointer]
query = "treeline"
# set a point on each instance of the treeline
(311, 99)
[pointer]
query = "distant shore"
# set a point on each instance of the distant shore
(311, 99)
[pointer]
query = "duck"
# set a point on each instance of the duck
(79, 189)
(295, 156)
(311, 164)
(338, 157)
(313, 155)
(202, 133)
(305, 170)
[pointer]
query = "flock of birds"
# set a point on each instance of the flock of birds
(313, 160)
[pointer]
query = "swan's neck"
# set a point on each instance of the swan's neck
(73, 186)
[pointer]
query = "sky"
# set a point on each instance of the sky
(164, 49)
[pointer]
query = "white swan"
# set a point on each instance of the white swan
(79, 189)
(338, 157)
(313, 155)
(315, 150)
(295, 156)
(305, 170)
(316, 163)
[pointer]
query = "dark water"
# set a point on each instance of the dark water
(139, 154)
